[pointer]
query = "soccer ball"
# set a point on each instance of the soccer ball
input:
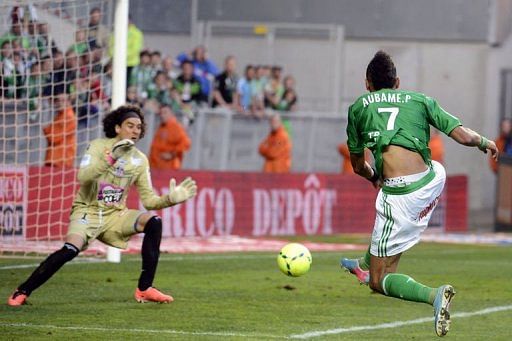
(294, 260)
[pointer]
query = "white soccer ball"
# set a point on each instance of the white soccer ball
(294, 259)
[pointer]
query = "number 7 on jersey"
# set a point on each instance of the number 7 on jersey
(393, 111)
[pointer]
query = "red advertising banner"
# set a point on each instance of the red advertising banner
(13, 186)
(243, 204)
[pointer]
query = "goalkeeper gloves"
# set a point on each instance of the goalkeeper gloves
(119, 149)
(184, 191)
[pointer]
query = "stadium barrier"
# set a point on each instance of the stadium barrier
(34, 205)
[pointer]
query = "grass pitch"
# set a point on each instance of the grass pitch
(244, 297)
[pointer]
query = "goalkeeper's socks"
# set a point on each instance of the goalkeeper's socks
(364, 262)
(48, 267)
(406, 288)
(150, 252)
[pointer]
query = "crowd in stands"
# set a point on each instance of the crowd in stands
(191, 81)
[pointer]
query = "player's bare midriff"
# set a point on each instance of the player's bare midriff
(399, 161)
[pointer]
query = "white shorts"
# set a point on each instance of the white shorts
(404, 208)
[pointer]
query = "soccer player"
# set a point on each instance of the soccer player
(107, 170)
(394, 125)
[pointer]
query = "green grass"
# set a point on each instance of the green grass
(243, 294)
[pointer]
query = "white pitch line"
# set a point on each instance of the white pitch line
(139, 331)
(396, 324)
(24, 266)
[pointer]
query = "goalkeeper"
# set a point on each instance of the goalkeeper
(107, 170)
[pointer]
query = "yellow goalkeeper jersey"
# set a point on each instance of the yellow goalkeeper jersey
(105, 187)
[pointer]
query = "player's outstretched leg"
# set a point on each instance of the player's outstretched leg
(44, 271)
(150, 254)
(404, 287)
(358, 267)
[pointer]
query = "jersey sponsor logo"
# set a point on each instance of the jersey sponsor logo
(110, 194)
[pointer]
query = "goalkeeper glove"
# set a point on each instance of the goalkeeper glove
(184, 191)
(119, 149)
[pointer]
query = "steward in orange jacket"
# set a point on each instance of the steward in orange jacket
(276, 148)
(436, 146)
(170, 142)
(503, 142)
(61, 135)
(346, 166)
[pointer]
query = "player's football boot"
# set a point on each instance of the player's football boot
(441, 305)
(352, 265)
(17, 298)
(152, 295)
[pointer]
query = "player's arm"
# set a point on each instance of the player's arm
(98, 158)
(177, 194)
(451, 126)
(356, 148)
(363, 168)
(470, 138)
(93, 163)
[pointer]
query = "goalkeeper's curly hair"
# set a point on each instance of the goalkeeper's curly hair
(381, 71)
(116, 117)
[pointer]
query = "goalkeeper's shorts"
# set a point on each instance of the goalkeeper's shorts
(404, 206)
(114, 229)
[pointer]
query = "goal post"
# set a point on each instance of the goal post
(119, 77)
(57, 81)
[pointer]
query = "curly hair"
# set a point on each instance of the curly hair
(116, 117)
(381, 71)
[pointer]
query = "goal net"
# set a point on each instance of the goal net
(55, 85)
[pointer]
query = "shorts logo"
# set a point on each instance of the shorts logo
(428, 209)
(110, 194)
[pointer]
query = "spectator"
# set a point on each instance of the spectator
(161, 90)
(33, 52)
(257, 92)
(57, 77)
(135, 44)
(168, 68)
(132, 98)
(156, 62)
(34, 89)
(224, 94)
(436, 146)
(188, 85)
(45, 43)
(140, 76)
(244, 92)
(71, 69)
(16, 34)
(13, 75)
(61, 134)
(274, 89)
(288, 100)
(170, 142)
(97, 34)
(503, 142)
(276, 148)
(204, 68)
(80, 46)
(106, 80)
